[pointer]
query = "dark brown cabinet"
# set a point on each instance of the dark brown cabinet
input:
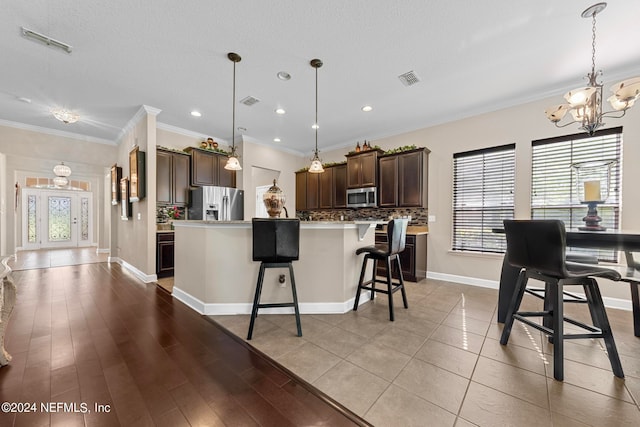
(326, 188)
(301, 191)
(404, 179)
(172, 178)
(307, 190)
(340, 186)
(413, 259)
(207, 168)
(362, 169)
(164, 254)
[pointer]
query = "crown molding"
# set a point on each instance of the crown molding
(186, 132)
(55, 132)
(143, 111)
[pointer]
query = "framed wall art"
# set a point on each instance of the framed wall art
(137, 175)
(116, 176)
(125, 204)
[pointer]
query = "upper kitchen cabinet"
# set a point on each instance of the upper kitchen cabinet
(326, 188)
(404, 179)
(307, 190)
(362, 169)
(339, 186)
(207, 168)
(172, 178)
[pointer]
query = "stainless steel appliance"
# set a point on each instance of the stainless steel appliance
(362, 197)
(216, 204)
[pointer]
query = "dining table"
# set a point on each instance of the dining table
(620, 240)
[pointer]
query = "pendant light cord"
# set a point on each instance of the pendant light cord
(233, 117)
(317, 111)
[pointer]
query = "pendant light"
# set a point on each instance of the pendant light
(586, 103)
(233, 163)
(316, 163)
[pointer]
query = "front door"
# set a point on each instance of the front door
(56, 218)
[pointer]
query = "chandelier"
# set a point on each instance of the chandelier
(585, 103)
(61, 171)
(64, 115)
(233, 163)
(316, 163)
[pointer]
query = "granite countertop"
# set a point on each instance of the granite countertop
(412, 230)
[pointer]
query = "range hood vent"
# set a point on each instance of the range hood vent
(249, 101)
(409, 78)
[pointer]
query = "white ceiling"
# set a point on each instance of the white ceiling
(471, 57)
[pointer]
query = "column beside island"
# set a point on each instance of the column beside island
(215, 273)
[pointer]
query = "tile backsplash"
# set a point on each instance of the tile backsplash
(419, 216)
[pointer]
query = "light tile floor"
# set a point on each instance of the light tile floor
(440, 362)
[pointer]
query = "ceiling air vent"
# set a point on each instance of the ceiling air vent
(409, 78)
(249, 101)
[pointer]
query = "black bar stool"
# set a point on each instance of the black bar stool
(276, 242)
(538, 248)
(396, 237)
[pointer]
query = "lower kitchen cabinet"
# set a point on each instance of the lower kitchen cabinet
(413, 259)
(164, 254)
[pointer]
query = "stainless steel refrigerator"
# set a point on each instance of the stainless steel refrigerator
(216, 204)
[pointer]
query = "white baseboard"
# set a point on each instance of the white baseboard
(619, 303)
(210, 309)
(465, 280)
(146, 278)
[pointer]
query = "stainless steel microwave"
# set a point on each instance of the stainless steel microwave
(362, 197)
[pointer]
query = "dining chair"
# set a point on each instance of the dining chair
(538, 248)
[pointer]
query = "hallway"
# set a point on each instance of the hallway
(47, 258)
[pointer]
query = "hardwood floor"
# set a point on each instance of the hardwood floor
(94, 335)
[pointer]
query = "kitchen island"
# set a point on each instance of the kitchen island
(215, 273)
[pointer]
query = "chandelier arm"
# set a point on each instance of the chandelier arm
(566, 124)
(612, 115)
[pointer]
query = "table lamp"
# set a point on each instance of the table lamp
(593, 181)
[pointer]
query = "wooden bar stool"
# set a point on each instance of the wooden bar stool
(396, 237)
(276, 243)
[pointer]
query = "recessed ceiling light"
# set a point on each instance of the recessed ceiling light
(283, 75)
(65, 115)
(280, 111)
(196, 113)
(276, 139)
(315, 126)
(367, 108)
(25, 100)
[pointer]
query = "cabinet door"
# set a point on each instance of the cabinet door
(354, 172)
(203, 168)
(410, 185)
(180, 179)
(226, 178)
(388, 181)
(164, 178)
(326, 188)
(301, 191)
(369, 164)
(165, 258)
(313, 190)
(340, 186)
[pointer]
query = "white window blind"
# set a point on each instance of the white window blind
(483, 185)
(553, 186)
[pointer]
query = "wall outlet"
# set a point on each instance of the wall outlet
(282, 281)
(432, 218)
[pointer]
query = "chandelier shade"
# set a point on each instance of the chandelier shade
(316, 163)
(62, 170)
(233, 163)
(585, 104)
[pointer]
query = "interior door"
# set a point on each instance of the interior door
(56, 218)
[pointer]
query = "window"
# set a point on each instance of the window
(553, 189)
(483, 184)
